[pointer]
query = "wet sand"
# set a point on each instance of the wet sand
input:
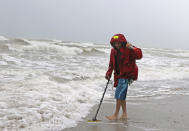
(166, 114)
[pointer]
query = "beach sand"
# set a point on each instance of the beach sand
(165, 114)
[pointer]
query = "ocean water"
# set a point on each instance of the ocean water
(52, 84)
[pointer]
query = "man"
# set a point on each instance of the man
(123, 61)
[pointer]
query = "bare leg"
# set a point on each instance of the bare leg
(115, 115)
(124, 108)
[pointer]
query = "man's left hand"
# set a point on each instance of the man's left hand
(129, 45)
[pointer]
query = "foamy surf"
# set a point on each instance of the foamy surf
(52, 84)
(2, 38)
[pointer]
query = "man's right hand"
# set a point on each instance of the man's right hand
(107, 77)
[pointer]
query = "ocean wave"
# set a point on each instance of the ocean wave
(163, 73)
(2, 38)
(23, 45)
(40, 102)
(52, 84)
(4, 48)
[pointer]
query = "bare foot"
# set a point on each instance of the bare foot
(114, 117)
(123, 117)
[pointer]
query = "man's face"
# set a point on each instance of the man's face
(117, 45)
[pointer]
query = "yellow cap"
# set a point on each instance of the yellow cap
(116, 37)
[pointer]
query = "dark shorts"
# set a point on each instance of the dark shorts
(121, 89)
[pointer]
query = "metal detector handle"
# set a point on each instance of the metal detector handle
(101, 100)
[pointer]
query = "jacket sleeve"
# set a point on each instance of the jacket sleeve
(137, 53)
(110, 67)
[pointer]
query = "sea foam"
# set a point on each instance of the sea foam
(52, 84)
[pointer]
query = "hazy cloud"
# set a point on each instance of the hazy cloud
(146, 23)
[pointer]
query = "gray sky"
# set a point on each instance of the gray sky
(145, 23)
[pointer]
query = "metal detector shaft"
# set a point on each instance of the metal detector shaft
(94, 118)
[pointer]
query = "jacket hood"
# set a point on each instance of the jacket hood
(118, 38)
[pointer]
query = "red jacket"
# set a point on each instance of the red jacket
(128, 68)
